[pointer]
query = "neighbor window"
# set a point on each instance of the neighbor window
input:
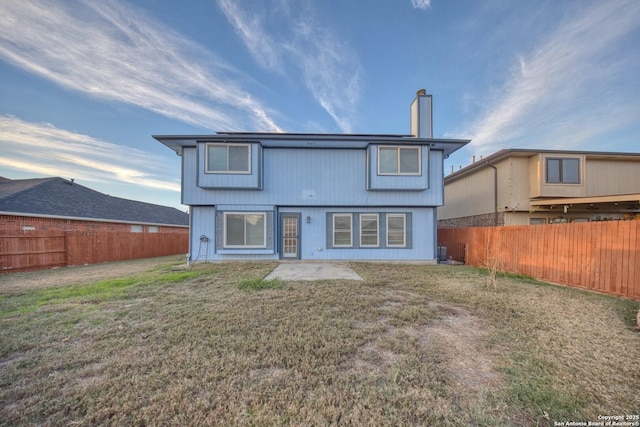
(563, 171)
(137, 229)
(398, 160)
(245, 230)
(228, 158)
(152, 229)
(396, 230)
(368, 230)
(342, 235)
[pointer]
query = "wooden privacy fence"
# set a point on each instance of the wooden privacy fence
(599, 256)
(20, 251)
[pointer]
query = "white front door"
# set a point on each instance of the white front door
(290, 236)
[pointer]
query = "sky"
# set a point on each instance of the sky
(84, 84)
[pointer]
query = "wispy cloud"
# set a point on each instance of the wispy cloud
(115, 51)
(43, 149)
(288, 38)
(421, 4)
(554, 97)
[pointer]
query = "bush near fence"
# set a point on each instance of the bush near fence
(22, 251)
(599, 256)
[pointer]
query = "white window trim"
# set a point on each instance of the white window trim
(333, 230)
(227, 172)
(264, 238)
(398, 147)
(377, 216)
(404, 230)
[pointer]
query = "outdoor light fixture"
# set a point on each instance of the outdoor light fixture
(308, 219)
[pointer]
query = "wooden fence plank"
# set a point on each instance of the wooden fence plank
(625, 247)
(634, 263)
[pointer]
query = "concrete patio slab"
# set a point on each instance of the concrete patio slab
(294, 271)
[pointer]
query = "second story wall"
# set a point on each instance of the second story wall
(557, 175)
(470, 196)
(516, 174)
(312, 177)
(474, 194)
(606, 177)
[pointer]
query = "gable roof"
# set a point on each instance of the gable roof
(57, 197)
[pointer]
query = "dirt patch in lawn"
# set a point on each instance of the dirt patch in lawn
(461, 339)
(453, 339)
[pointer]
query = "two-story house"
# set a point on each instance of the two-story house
(314, 196)
(521, 186)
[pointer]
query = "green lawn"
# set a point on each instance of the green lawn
(410, 345)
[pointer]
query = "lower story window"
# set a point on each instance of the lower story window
(245, 230)
(342, 235)
(396, 230)
(369, 230)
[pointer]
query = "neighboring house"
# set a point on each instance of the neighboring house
(519, 186)
(57, 204)
(314, 196)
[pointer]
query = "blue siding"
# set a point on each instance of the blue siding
(314, 177)
(314, 235)
(202, 224)
(313, 182)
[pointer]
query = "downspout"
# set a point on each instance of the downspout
(495, 193)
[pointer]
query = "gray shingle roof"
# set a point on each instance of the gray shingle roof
(59, 197)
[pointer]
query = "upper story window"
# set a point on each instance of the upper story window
(563, 170)
(399, 161)
(228, 158)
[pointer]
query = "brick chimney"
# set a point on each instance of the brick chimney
(422, 115)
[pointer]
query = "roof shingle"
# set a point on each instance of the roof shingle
(59, 197)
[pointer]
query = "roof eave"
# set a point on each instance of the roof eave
(178, 142)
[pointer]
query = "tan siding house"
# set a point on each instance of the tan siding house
(519, 187)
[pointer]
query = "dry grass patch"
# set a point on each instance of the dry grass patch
(410, 345)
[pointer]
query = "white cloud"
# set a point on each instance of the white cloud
(421, 4)
(287, 38)
(556, 96)
(115, 51)
(43, 149)
(250, 28)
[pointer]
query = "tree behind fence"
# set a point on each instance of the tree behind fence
(600, 256)
(37, 250)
